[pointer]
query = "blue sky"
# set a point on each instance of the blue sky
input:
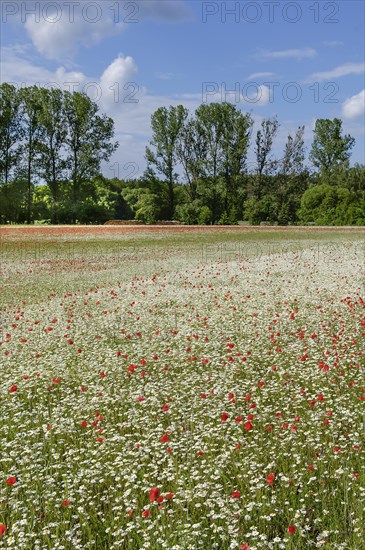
(298, 60)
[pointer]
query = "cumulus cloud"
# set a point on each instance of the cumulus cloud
(105, 88)
(57, 29)
(354, 106)
(57, 33)
(337, 72)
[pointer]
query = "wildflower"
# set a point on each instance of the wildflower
(154, 492)
(11, 480)
(270, 478)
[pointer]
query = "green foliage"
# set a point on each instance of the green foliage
(327, 205)
(330, 150)
(205, 216)
(189, 212)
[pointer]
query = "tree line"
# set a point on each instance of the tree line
(53, 142)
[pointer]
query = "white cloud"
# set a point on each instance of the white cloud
(287, 54)
(116, 86)
(118, 81)
(60, 40)
(57, 29)
(253, 76)
(337, 72)
(354, 106)
(260, 97)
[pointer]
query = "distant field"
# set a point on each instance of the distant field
(182, 388)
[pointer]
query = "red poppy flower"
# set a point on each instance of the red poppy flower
(165, 408)
(100, 439)
(11, 480)
(236, 494)
(154, 492)
(245, 546)
(65, 503)
(270, 479)
(146, 513)
(291, 529)
(248, 426)
(169, 495)
(224, 417)
(13, 388)
(83, 424)
(2, 529)
(164, 438)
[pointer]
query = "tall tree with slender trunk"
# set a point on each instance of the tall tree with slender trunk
(263, 146)
(237, 135)
(11, 131)
(52, 120)
(167, 125)
(290, 183)
(330, 150)
(89, 141)
(191, 152)
(30, 109)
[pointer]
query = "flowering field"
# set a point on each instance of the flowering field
(182, 389)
